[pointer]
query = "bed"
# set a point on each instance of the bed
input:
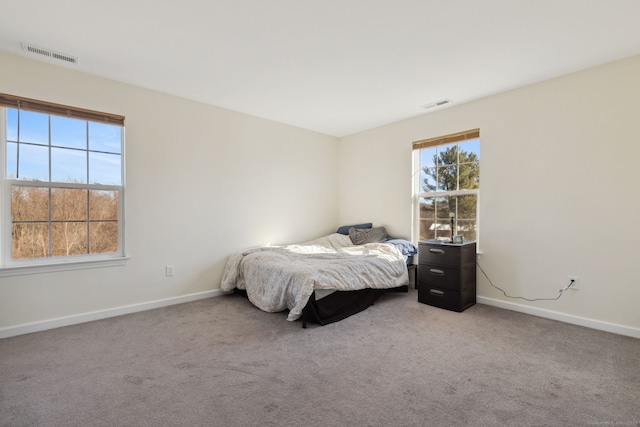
(324, 280)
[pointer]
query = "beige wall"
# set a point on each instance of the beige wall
(559, 190)
(201, 182)
(558, 198)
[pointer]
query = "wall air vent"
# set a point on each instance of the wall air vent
(436, 104)
(48, 53)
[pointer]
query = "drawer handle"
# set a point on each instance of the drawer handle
(436, 251)
(436, 292)
(436, 272)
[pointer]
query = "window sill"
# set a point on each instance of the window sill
(62, 266)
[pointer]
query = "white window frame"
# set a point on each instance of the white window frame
(13, 267)
(417, 184)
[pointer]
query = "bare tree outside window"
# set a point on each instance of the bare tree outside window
(64, 176)
(82, 222)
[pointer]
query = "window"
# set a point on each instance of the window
(447, 186)
(62, 183)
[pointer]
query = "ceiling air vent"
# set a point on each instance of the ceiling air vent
(49, 53)
(436, 104)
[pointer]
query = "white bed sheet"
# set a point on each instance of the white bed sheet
(277, 278)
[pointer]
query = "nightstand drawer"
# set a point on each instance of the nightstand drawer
(446, 255)
(439, 277)
(439, 255)
(446, 298)
(456, 279)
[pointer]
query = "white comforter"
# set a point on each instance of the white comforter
(284, 277)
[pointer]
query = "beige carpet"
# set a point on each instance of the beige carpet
(222, 362)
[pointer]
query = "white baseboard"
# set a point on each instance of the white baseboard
(562, 317)
(27, 328)
(44, 325)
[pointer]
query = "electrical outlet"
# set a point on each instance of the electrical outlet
(169, 270)
(576, 282)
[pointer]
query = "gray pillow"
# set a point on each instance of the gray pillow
(360, 236)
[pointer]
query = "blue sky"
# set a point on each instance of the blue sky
(427, 154)
(73, 144)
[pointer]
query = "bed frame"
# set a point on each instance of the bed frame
(338, 305)
(342, 304)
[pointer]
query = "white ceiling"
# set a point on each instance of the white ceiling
(332, 66)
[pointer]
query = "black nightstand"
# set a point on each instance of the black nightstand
(447, 274)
